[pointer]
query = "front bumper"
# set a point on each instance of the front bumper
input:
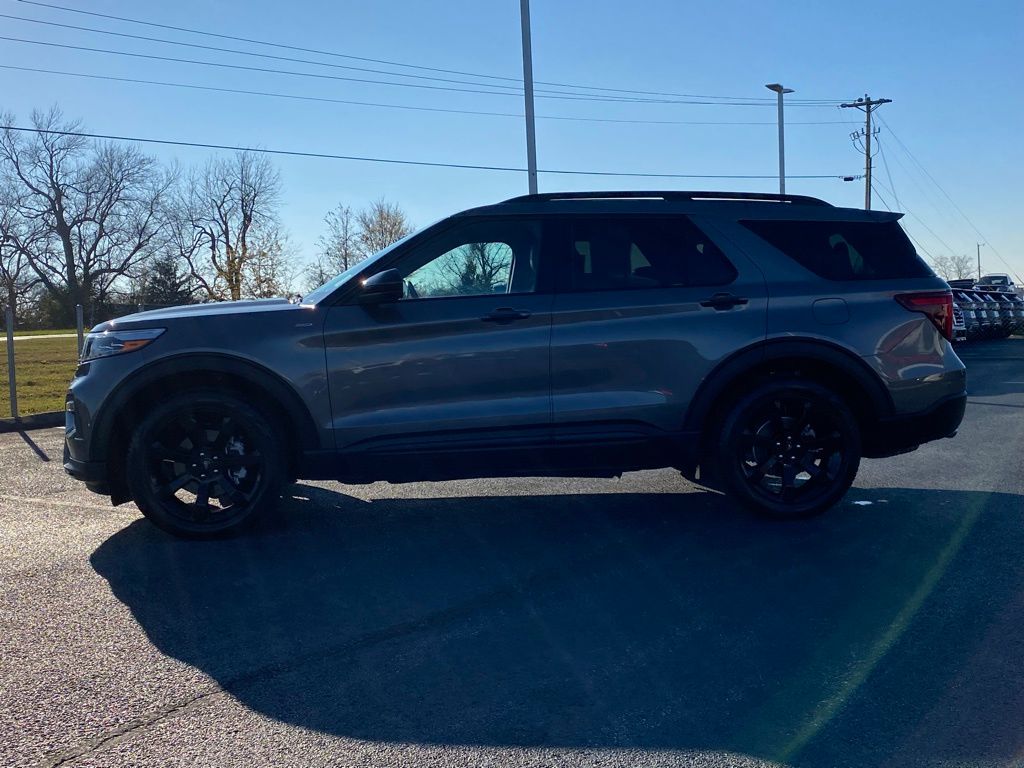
(92, 473)
(905, 433)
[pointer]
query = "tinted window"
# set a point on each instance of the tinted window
(624, 253)
(845, 250)
(475, 258)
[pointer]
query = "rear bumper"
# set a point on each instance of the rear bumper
(905, 433)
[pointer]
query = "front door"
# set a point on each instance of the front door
(457, 367)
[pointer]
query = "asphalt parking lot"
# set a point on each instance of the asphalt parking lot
(641, 621)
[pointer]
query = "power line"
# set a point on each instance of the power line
(885, 163)
(909, 233)
(270, 70)
(328, 100)
(919, 220)
(322, 52)
(393, 161)
(925, 194)
(220, 49)
(951, 201)
(885, 202)
(292, 59)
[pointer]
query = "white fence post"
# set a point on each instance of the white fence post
(10, 363)
(80, 322)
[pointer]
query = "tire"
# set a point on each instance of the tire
(204, 464)
(823, 439)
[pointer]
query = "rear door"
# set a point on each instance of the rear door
(646, 307)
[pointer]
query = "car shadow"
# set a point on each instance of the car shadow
(888, 630)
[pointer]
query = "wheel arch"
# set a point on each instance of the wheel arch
(821, 361)
(274, 395)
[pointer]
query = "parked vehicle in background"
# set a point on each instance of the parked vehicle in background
(959, 325)
(994, 315)
(1007, 313)
(980, 308)
(574, 334)
(998, 282)
(972, 325)
(961, 283)
(1017, 301)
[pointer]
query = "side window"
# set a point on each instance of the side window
(622, 253)
(478, 258)
(845, 250)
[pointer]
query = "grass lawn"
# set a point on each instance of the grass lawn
(43, 367)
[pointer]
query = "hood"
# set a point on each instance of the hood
(193, 311)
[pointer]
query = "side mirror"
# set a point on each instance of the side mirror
(383, 288)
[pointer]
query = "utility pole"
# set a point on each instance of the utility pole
(782, 135)
(867, 105)
(531, 127)
(979, 259)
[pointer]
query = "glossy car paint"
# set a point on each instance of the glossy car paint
(632, 359)
(420, 375)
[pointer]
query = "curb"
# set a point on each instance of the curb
(34, 421)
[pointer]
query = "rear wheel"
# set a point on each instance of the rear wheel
(204, 464)
(789, 449)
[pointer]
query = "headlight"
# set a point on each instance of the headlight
(116, 342)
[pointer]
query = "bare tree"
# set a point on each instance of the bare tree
(352, 236)
(380, 225)
(953, 267)
(270, 272)
(96, 207)
(228, 228)
(16, 239)
(341, 246)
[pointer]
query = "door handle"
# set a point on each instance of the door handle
(722, 301)
(504, 315)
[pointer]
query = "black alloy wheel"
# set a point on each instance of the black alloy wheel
(203, 465)
(792, 449)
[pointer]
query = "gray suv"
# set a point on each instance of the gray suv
(760, 344)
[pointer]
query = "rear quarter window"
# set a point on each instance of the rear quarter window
(845, 250)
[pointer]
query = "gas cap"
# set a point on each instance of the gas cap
(831, 311)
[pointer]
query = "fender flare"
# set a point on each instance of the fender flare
(746, 360)
(280, 390)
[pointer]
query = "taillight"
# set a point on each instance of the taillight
(937, 306)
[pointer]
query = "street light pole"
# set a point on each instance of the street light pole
(979, 259)
(782, 135)
(531, 128)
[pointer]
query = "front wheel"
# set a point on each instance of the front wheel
(204, 464)
(788, 449)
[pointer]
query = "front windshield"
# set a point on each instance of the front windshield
(319, 294)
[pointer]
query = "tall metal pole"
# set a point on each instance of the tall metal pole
(10, 363)
(531, 128)
(782, 148)
(979, 259)
(779, 90)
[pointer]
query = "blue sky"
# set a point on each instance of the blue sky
(952, 71)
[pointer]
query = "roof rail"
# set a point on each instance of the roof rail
(669, 195)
